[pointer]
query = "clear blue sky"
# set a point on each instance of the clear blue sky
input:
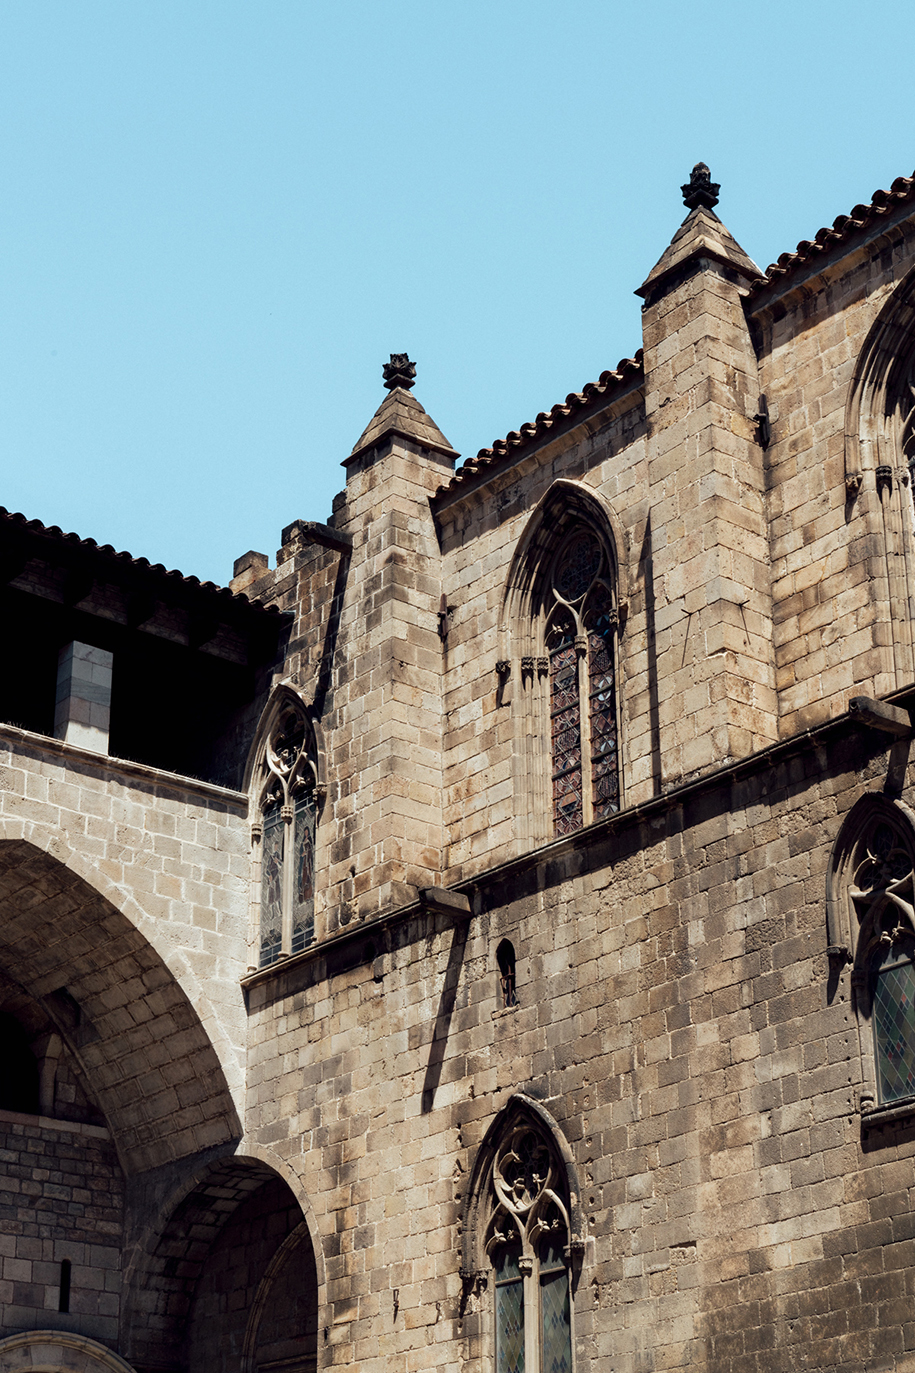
(217, 220)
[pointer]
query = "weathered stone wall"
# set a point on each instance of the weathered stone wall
(832, 634)
(675, 1017)
(61, 1198)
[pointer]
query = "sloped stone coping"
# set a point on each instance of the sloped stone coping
(57, 1351)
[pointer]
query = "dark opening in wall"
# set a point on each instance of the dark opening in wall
(18, 1069)
(505, 956)
(64, 1302)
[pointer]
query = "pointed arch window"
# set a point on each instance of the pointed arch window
(287, 798)
(581, 629)
(527, 1241)
(875, 865)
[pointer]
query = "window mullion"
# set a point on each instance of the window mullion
(530, 1271)
(584, 710)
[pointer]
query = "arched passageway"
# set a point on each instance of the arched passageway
(229, 1284)
(138, 1039)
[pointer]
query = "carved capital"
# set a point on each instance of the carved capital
(581, 644)
(838, 955)
(503, 668)
(257, 832)
(287, 812)
(527, 664)
(320, 794)
(884, 476)
(543, 666)
(525, 1266)
(853, 485)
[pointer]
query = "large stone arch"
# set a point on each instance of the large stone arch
(57, 1351)
(156, 932)
(139, 1040)
(170, 1267)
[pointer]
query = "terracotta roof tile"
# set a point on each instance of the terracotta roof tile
(624, 371)
(106, 552)
(843, 228)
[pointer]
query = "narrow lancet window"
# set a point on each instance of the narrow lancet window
(288, 802)
(581, 644)
(605, 786)
(505, 957)
(565, 720)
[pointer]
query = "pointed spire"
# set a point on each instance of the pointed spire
(701, 234)
(401, 413)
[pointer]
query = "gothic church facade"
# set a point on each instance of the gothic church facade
(484, 939)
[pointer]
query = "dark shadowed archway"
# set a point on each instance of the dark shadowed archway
(138, 1039)
(229, 1284)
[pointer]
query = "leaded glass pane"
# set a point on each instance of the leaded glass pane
(509, 1312)
(303, 896)
(271, 933)
(605, 785)
(579, 564)
(556, 1338)
(894, 1026)
(565, 721)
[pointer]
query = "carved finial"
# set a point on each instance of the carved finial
(400, 371)
(700, 189)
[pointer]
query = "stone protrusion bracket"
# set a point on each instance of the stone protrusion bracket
(880, 715)
(445, 902)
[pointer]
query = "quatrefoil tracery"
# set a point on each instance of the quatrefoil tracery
(527, 1202)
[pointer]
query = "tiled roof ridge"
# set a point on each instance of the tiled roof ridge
(843, 227)
(535, 429)
(53, 531)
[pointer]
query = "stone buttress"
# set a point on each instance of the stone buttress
(386, 740)
(711, 570)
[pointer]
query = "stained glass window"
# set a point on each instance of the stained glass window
(605, 786)
(581, 645)
(303, 897)
(271, 935)
(555, 1311)
(565, 719)
(894, 1023)
(528, 1238)
(509, 1311)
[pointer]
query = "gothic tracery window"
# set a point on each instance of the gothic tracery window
(527, 1241)
(288, 803)
(881, 893)
(581, 648)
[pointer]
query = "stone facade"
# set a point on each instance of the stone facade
(500, 953)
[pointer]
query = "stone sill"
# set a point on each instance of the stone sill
(886, 1115)
(73, 1127)
(105, 763)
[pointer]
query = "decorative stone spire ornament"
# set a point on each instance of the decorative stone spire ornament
(700, 189)
(400, 371)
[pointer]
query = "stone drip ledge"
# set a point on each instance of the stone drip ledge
(104, 766)
(73, 1127)
(461, 900)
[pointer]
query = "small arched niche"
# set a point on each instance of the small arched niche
(508, 981)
